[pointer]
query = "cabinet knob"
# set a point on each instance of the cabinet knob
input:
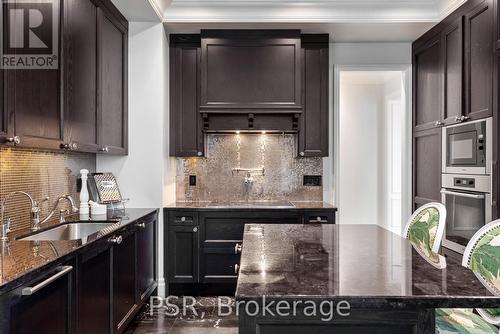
(301, 154)
(116, 240)
(69, 146)
(439, 123)
(141, 225)
(200, 154)
(104, 149)
(16, 140)
(464, 118)
(74, 146)
(238, 248)
(183, 219)
(195, 229)
(236, 269)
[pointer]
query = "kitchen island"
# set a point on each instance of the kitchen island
(373, 280)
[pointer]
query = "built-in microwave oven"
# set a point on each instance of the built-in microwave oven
(467, 148)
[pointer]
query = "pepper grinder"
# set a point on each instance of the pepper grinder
(84, 194)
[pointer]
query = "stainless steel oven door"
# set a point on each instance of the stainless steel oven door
(467, 148)
(467, 212)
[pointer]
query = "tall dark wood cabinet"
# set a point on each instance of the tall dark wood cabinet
(479, 48)
(313, 133)
(81, 117)
(186, 134)
(427, 166)
(33, 105)
(428, 84)
(452, 39)
(112, 39)
(250, 70)
(94, 292)
(3, 109)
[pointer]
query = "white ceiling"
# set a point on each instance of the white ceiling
(344, 20)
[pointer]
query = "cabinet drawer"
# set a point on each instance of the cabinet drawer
(319, 217)
(220, 266)
(188, 218)
(223, 229)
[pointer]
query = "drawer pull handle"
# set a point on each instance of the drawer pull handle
(237, 249)
(318, 220)
(236, 269)
(31, 290)
(116, 240)
(141, 225)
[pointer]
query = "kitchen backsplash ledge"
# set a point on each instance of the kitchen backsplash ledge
(276, 153)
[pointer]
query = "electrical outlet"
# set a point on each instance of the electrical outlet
(192, 180)
(312, 180)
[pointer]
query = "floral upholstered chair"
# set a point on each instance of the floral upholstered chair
(425, 228)
(482, 256)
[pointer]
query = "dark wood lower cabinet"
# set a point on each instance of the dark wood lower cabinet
(124, 302)
(48, 309)
(94, 292)
(146, 258)
(183, 254)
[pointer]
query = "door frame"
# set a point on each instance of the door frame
(406, 188)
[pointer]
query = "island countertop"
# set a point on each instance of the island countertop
(363, 264)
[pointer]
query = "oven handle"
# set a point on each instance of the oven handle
(456, 193)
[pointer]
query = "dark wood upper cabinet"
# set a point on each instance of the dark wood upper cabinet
(427, 166)
(428, 84)
(479, 60)
(186, 135)
(452, 37)
(33, 105)
(112, 82)
(81, 118)
(250, 71)
(313, 133)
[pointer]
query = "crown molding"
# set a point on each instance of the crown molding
(449, 7)
(299, 11)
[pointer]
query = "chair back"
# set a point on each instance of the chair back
(425, 228)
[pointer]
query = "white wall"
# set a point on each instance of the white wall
(145, 175)
(370, 53)
(361, 118)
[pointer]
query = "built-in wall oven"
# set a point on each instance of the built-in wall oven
(466, 181)
(467, 148)
(468, 204)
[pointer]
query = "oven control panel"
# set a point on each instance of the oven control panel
(464, 182)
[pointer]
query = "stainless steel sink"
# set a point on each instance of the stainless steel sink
(73, 231)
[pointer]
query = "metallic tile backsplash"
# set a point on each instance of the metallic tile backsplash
(41, 174)
(216, 180)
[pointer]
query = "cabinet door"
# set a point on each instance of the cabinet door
(47, 309)
(94, 292)
(428, 87)
(453, 64)
(479, 61)
(186, 135)
(81, 75)
(427, 166)
(313, 136)
(183, 254)
(34, 97)
(258, 71)
(124, 301)
(112, 87)
(146, 258)
(3, 107)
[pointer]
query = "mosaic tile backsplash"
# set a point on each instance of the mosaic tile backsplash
(41, 174)
(275, 153)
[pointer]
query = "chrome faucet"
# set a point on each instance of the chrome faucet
(62, 213)
(5, 222)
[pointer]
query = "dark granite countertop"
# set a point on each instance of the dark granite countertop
(253, 205)
(19, 259)
(364, 264)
